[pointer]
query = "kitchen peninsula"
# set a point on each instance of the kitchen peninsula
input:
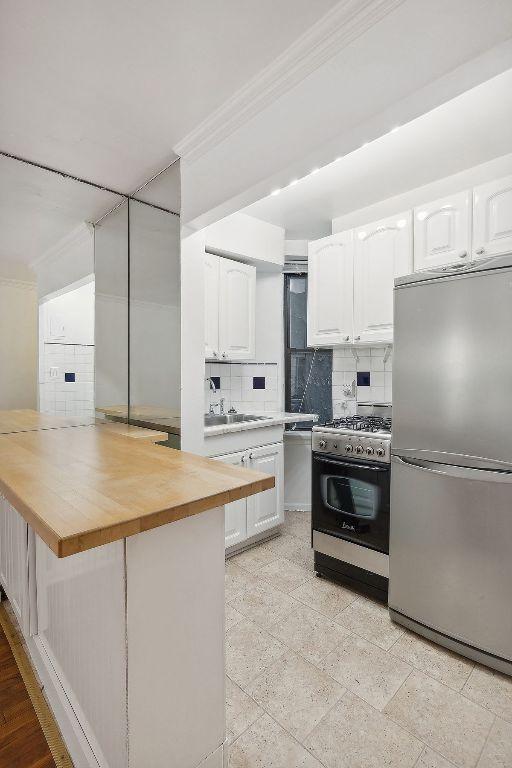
(112, 555)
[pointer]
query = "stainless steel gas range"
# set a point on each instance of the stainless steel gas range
(350, 499)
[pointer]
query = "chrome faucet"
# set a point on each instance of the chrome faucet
(212, 383)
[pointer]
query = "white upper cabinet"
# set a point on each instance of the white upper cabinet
(383, 251)
(442, 232)
(492, 218)
(230, 309)
(237, 310)
(211, 305)
(330, 290)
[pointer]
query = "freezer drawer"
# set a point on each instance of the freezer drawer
(451, 551)
(452, 369)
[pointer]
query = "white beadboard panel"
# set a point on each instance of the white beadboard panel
(82, 628)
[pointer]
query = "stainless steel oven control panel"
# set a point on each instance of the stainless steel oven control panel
(363, 447)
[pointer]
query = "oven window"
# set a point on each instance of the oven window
(350, 496)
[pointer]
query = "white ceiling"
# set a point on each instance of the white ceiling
(466, 131)
(104, 91)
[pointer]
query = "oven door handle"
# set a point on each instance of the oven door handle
(351, 465)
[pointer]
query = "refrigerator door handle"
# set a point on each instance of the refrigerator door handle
(454, 470)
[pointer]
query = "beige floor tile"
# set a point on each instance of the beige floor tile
(241, 710)
(370, 619)
(249, 651)
(297, 550)
(449, 668)
(295, 693)
(285, 574)
(324, 596)
(266, 745)
(264, 604)
(232, 616)
(498, 750)
(255, 558)
(445, 720)
(491, 690)
(430, 759)
(309, 633)
(355, 735)
(373, 674)
(237, 581)
(297, 524)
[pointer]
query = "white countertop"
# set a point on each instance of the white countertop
(271, 419)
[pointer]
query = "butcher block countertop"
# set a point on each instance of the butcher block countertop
(85, 486)
(27, 420)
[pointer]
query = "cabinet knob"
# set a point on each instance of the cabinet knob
(224, 354)
(479, 251)
(215, 354)
(357, 338)
(463, 254)
(347, 338)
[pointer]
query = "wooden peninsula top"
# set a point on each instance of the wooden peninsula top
(82, 486)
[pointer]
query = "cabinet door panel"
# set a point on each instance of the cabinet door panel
(330, 290)
(383, 251)
(237, 317)
(236, 511)
(14, 561)
(492, 218)
(211, 305)
(265, 510)
(442, 232)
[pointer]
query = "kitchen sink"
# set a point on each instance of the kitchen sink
(214, 420)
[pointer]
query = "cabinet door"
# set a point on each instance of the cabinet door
(14, 561)
(442, 232)
(330, 290)
(492, 218)
(265, 510)
(211, 305)
(237, 312)
(383, 251)
(236, 511)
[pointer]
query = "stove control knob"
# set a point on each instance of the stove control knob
(380, 452)
(359, 449)
(322, 443)
(335, 446)
(349, 448)
(370, 451)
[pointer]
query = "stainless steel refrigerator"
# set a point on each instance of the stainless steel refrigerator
(451, 473)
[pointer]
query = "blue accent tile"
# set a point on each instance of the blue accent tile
(216, 381)
(69, 377)
(258, 382)
(363, 378)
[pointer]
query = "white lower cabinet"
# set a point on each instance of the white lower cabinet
(266, 510)
(14, 562)
(263, 511)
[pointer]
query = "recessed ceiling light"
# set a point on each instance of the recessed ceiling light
(275, 192)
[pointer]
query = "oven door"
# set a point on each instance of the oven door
(350, 500)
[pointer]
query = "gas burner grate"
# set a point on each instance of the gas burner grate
(361, 423)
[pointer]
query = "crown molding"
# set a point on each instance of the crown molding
(25, 285)
(343, 24)
(80, 234)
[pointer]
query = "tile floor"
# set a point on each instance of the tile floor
(319, 677)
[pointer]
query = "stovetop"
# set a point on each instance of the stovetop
(369, 424)
(365, 438)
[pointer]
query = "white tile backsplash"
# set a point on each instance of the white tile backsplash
(62, 398)
(236, 386)
(345, 368)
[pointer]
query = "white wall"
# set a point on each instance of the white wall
(18, 344)
(479, 174)
(69, 261)
(69, 317)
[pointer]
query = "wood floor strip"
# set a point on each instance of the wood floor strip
(44, 715)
